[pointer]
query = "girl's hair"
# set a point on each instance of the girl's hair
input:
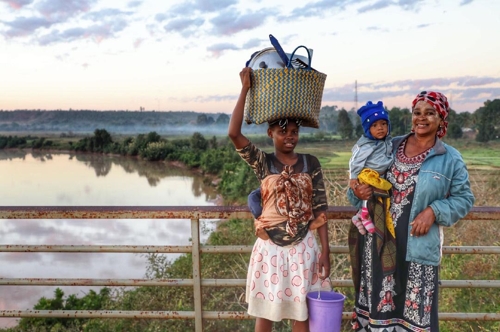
(282, 123)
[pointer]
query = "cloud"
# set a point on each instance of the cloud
(160, 17)
(252, 43)
(218, 49)
(17, 4)
(186, 18)
(403, 4)
(374, 28)
(409, 4)
(105, 14)
(18, 257)
(64, 9)
(475, 81)
(465, 89)
(189, 8)
(376, 6)
(478, 94)
(26, 229)
(97, 33)
(182, 9)
(134, 4)
(23, 26)
(317, 9)
(206, 99)
(184, 26)
(72, 15)
(326, 7)
(465, 2)
(213, 5)
(230, 22)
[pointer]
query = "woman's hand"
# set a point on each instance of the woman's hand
(422, 223)
(245, 77)
(362, 191)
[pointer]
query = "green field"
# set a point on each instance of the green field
(336, 154)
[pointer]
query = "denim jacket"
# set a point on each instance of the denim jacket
(443, 184)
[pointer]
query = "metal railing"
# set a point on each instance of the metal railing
(194, 214)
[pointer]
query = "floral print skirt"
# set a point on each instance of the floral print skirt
(403, 301)
(279, 279)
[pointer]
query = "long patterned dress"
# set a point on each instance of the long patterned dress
(406, 300)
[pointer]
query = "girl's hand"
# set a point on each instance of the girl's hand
(245, 77)
(324, 265)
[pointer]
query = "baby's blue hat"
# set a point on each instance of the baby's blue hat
(370, 113)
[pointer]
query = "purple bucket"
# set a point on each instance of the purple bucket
(325, 312)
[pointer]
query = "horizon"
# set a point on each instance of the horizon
(186, 55)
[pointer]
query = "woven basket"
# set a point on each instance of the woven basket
(285, 93)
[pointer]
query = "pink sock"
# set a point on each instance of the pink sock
(364, 213)
(370, 227)
(357, 222)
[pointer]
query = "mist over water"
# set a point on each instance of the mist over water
(58, 179)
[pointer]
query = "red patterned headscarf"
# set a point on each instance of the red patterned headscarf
(440, 104)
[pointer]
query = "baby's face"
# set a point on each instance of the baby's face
(379, 129)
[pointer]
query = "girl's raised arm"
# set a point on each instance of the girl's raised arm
(234, 129)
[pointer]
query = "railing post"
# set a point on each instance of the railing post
(195, 239)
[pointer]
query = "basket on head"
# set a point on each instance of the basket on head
(288, 92)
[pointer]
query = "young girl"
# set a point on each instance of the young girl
(285, 262)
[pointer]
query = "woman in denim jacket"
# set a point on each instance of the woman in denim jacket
(396, 279)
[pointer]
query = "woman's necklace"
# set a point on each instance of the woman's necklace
(414, 147)
(413, 160)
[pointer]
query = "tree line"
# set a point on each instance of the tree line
(83, 121)
(484, 123)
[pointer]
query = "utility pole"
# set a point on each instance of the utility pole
(356, 95)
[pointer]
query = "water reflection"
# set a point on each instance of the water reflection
(12, 154)
(51, 179)
(153, 172)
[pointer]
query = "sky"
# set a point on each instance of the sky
(187, 55)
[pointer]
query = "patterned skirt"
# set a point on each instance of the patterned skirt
(404, 301)
(279, 279)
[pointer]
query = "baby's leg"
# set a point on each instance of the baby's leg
(356, 220)
(365, 218)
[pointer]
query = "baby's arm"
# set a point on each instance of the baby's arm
(360, 154)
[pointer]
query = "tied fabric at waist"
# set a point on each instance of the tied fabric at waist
(289, 199)
(287, 203)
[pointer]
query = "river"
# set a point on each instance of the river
(62, 179)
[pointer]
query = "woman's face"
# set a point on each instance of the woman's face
(286, 139)
(425, 119)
